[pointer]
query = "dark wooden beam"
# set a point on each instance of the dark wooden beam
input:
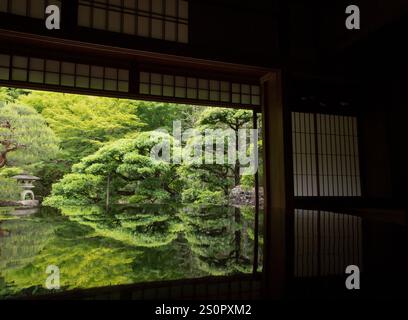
(275, 205)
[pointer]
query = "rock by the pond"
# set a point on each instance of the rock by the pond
(240, 196)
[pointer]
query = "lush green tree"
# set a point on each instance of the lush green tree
(25, 138)
(204, 184)
(160, 115)
(84, 123)
(203, 177)
(77, 189)
(223, 118)
(195, 195)
(248, 181)
(123, 171)
(50, 172)
(10, 95)
(9, 189)
(205, 180)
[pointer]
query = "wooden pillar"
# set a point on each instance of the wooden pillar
(275, 192)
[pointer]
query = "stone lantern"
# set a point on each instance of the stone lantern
(25, 182)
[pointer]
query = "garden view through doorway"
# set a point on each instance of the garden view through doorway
(104, 211)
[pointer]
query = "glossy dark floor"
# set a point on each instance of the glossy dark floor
(323, 244)
(327, 242)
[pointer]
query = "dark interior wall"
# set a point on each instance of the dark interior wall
(374, 14)
(379, 63)
(328, 64)
(235, 31)
(243, 32)
(398, 137)
(298, 37)
(318, 56)
(375, 150)
(385, 140)
(324, 60)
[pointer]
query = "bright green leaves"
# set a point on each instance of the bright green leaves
(25, 138)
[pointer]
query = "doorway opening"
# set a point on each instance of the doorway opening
(113, 210)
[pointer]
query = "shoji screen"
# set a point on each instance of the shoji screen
(326, 242)
(167, 85)
(325, 155)
(158, 19)
(28, 8)
(18, 68)
(304, 154)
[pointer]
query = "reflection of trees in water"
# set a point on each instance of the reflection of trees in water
(248, 216)
(96, 248)
(26, 238)
(148, 226)
(155, 232)
(47, 239)
(218, 238)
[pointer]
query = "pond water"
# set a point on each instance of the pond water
(93, 247)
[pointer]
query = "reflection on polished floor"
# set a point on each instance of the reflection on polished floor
(325, 243)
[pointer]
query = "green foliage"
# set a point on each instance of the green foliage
(97, 138)
(76, 189)
(92, 131)
(25, 137)
(88, 150)
(84, 123)
(123, 167)
(225, 118)
(10, 95)
(50, 172)
(158, 115)
(203, 196)
(133, 177)
(8, 172)
(212, 177)
(213, 182)
(9, 190)
(248, 181)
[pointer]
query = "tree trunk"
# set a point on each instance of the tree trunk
(3, 159)
(237, 177)
(9, 148)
